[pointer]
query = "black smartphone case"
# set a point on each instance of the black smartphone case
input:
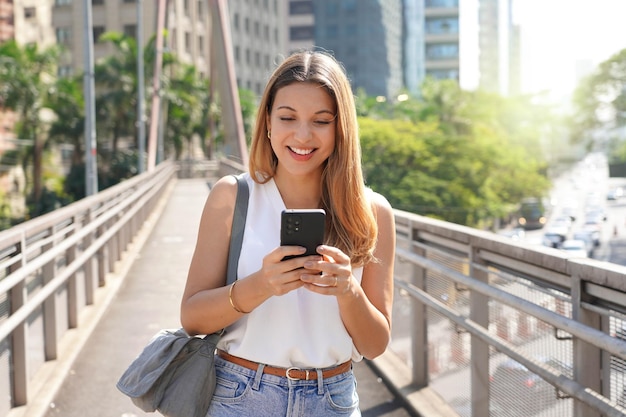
(301, 227)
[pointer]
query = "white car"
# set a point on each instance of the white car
(575, 247)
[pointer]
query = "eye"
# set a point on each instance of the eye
(286, 118)
(323, 122)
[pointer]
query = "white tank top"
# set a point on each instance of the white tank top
(301, 328)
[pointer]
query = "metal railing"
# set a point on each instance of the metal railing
(52, 266)
(466, 301)
(475, 300)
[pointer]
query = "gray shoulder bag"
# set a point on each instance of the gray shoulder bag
(175, 373)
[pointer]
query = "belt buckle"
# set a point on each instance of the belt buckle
(293, 368)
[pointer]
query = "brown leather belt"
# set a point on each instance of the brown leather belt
(290, 373)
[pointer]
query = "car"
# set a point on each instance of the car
(562, 221)
(517, 233)
(595, 214)
(615, 193)
(595, 229)
(555, 235)
(514, 387)
(576, 248)
(587, 237)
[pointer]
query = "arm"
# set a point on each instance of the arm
(205, 307)
(366, 308)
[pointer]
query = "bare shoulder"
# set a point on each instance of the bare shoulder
(380, 204)
(224, 190)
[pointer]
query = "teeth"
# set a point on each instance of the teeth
(302, 151)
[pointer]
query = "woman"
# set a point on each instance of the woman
(293, 327)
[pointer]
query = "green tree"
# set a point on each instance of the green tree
(459, 156)
(599, 101)
(25, 75)
(66, 99)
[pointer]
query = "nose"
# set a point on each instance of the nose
(303, 131)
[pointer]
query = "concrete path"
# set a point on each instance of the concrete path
(146, 300)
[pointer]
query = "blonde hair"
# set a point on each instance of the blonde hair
(350, 222)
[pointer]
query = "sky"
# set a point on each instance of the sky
(560, 35)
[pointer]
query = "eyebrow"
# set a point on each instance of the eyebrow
(317, 112)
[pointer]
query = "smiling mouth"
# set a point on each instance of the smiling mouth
(301, 151)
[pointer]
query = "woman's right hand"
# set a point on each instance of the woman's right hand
(279, 275)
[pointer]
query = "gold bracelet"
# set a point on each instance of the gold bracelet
(230, 298)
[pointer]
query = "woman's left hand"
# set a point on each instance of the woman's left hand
(336, 272)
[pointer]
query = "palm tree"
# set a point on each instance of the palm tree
(67, 101)
(25, 75)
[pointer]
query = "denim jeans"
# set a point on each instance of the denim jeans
(242, 392)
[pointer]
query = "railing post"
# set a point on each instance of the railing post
(479, 313)
(419, 319)
(587, 358)
(90, 266)
(19, 341)
(49, 306)
(72, 290)
(103, 259)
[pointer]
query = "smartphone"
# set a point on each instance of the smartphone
(302, 227)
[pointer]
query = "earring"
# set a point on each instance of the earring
(269, 134)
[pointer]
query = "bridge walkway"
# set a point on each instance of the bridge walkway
(146, 299)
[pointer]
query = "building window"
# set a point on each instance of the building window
(444, 74)
(266, 32)
(62, 2)
(130, 31)
(65, 71)
(332, 9)
(129, 1)
(237, 54)
(97, 2)
(442, 51)
(299, 33)
(236, 21)
(200, 9)
(97, 32)
(29, 12)
(300, 7)
(186, 7)
(187, 42)
(442, 3)
(256, 29)
(246, 25)
(201, 45)
(442, 25)
(247, 56)
(64, 35)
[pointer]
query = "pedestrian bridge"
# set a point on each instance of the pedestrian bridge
(483, 325)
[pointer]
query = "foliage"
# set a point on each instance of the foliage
(462, 158)
(25, 73)
(599, 101)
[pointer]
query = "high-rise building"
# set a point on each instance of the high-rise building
(7, 23)
(188, 24)
(413, 59)
(499, 47)
(441, 39)
(438, 43)
(258, 40)
(366, 36)
(300, 34)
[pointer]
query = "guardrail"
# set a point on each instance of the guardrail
(466, 301)
(52, 266)
(475, 300)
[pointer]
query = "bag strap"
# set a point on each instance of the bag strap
(239, 223)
